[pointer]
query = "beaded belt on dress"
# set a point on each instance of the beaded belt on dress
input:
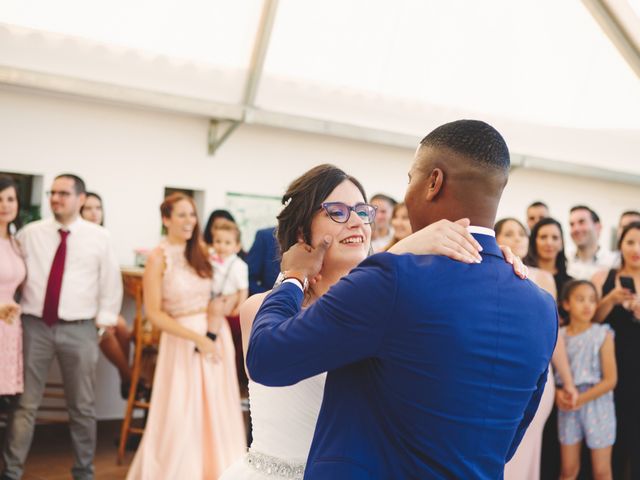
(274, 466)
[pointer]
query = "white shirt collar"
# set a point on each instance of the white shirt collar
(481, 230)
(595, 258)
(72, 227)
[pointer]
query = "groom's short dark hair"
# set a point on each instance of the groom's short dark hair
(474, 139)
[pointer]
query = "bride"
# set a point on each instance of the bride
(320, 203)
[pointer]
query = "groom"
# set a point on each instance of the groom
(436, 367)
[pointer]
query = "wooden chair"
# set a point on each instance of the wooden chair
(52, 391)
(146, 341)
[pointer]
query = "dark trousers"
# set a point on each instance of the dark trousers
(626, 450)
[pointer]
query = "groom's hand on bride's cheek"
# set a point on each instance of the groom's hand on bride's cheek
(305, 260)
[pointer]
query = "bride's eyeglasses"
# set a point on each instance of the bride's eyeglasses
(340, 212)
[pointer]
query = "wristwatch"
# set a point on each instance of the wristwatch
(101, 332)
(303, 281)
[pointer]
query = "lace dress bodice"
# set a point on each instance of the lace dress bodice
(183, 290)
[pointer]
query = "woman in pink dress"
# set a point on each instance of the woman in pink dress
(12, 274)
(195, 427)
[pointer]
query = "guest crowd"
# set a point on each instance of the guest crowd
(61, 294)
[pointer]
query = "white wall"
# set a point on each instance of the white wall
(129, 156)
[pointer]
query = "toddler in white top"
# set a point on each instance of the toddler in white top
(230, 272)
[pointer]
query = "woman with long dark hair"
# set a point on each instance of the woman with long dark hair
(546, 251)
(620, 307)
(12, 274)
(195, 427)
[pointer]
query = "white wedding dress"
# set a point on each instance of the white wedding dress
(283, 420)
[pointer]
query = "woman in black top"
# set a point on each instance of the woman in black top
(620, 308)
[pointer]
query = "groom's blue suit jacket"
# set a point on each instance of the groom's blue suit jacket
(435, 367)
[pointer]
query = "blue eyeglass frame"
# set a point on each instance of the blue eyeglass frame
(348, 209)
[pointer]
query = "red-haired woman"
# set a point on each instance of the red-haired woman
(195, 427)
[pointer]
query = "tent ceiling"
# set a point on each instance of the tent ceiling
(391, 67)
(499, 57)
(215, 32)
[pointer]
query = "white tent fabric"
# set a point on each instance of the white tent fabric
(543, 62)
(544, 72)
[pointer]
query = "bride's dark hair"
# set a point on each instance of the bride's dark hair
(304, 198)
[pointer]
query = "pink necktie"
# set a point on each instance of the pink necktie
(54, 284)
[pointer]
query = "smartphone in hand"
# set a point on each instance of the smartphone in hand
(628, 283)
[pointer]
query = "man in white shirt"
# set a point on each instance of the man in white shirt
(73, 289)
(382, 233)
(589, 257)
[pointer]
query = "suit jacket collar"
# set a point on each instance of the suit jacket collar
(489, 245)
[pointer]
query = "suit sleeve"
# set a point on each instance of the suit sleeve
(255, 261)
(347, 324)
(532, 407)
(529, 413)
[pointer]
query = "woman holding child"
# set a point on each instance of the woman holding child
(195, 427)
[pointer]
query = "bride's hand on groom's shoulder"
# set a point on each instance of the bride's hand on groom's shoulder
(304, 260)
(519, 267)
(451, 239)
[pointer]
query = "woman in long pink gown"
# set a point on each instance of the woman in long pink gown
(195, 427)
(12, 274)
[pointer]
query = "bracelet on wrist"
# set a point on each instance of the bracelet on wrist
(298, 277)
(212, 336)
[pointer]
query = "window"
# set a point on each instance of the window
(29, 194)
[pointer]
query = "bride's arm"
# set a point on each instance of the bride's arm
(444, 237)
(453, 240)
(248, 312)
